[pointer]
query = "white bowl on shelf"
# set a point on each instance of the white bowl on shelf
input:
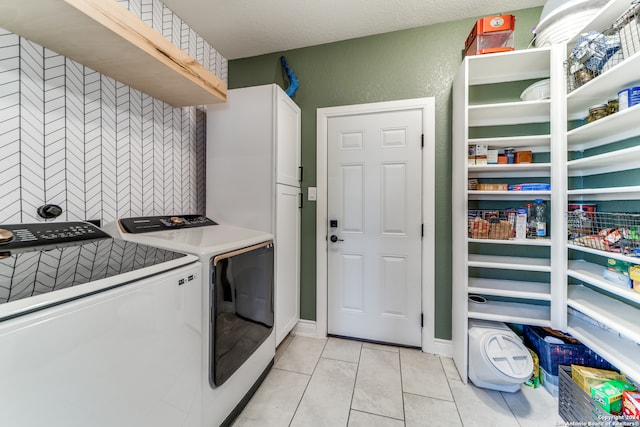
(537, 91)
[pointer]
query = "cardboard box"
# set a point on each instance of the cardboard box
(502, 159)
(609, 395)
(634, 274)
(631, 404)
(587, 377)
(524, 157)
(492, 187)
(492, 157)
(491, 34)
(481, 149)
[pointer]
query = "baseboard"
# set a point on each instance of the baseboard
(443, 347)
(305, 328)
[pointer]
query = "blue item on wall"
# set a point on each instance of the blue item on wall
(293, 79)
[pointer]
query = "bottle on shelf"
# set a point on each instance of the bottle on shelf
(531, 221)
(540, 213)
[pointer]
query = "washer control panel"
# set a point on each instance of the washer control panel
(16, 236)
(148, 224)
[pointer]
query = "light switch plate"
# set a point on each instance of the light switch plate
(312, 194)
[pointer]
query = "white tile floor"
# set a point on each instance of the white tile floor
(335, 382)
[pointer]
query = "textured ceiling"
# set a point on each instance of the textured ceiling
(243, 28)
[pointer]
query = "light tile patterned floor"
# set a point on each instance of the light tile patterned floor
(335, 382)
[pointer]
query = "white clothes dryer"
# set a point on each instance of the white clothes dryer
(237, 303)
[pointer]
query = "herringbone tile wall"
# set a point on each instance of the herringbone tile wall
(96, 147)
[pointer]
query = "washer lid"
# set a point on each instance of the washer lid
(509, 355)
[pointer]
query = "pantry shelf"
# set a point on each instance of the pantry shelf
(622, 353)
(510, 170)
(535, 143)
(518, 242)
(613, 255)
(509, 66)
(614, 161)
(603, 194)
(612, 313)
(616, 127)
(592, 274)
(508, 195)
(510, 312)
(603, 87)
(104, 36)
(510, 263)
(603, 19)
(509, 113)
(510, 288)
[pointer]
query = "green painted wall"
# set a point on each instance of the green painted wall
(415, 63)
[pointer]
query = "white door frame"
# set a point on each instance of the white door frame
(427, 105)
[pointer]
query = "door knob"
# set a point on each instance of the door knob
(334, 238)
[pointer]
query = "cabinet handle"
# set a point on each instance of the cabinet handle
(300, 173)
(300, 200)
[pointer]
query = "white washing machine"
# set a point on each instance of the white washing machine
(239, 340)
(498, 359)
(96, 331)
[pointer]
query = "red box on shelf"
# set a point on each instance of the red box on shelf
(491, 34)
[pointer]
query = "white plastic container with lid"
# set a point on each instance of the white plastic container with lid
(498, 360)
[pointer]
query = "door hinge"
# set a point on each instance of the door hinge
(421, 320)
(421, 230)
(422, 141)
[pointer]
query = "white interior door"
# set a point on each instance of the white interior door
(374, 249)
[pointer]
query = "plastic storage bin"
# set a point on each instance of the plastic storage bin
(491, 34)
(552, 355)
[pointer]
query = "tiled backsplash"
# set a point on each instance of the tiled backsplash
(96, 147)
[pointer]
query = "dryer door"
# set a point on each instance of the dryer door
(242, 315)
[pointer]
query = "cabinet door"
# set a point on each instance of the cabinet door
(287, 140)
(287, 245)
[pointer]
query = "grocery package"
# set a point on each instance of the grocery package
(609, 395)
(587, 377)
(631, 404)
(534, 380)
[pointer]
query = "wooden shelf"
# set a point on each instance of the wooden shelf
(617, 127)
(510, 113)
(603, 194)
(606, 254)
(535, 143)
(510, 263)
(104, 36)
(533, 170)
(613, 161)
(517, 242)
(508, 195)
(509, 66)
(592, 274)
(510, 288)
(607, 311)
(622, 353)
(511, 312)
(603, 87)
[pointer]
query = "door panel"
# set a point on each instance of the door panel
(287, 239)
(374, 193)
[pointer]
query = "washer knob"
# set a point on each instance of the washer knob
(176, 220)
(5, 235)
